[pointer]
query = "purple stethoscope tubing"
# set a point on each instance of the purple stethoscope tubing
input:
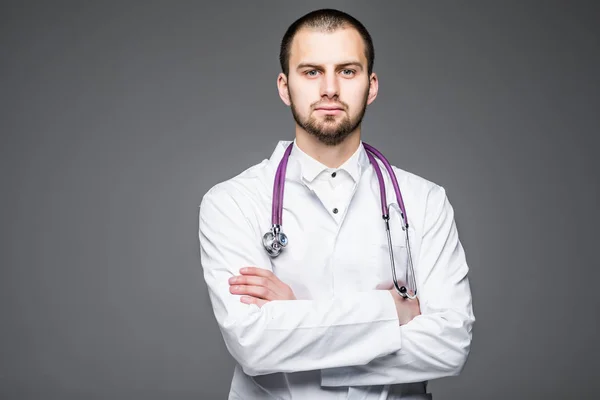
(275, 240)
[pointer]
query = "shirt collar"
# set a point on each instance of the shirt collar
(302, 166)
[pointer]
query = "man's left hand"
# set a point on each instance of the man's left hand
(259, 286)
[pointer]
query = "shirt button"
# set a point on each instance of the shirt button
(334, 174)
(335, 210)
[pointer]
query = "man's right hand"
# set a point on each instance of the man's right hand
(407, 309)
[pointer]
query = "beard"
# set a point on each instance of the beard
(328, 131)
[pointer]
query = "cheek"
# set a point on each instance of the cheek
(301, 98)
(356, 94)
(303, 90)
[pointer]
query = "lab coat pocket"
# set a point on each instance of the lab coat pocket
(381, 265)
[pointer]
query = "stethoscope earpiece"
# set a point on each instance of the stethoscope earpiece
(404, 293)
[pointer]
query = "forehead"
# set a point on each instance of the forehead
(322, 47)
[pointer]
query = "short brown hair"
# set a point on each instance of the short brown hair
(329, 20)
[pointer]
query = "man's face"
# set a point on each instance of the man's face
(328, 83)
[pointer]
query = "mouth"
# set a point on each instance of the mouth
(329, 109)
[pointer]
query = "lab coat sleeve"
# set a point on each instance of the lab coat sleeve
(284, 336)
(436, 343)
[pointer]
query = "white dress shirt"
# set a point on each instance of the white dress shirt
(341, 338)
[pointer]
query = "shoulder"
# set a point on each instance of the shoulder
(240, 191)
(421, 187)
(425, 200)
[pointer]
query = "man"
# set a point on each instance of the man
(323, 320)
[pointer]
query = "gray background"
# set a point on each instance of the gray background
(117, 117)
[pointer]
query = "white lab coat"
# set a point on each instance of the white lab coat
(341, 339)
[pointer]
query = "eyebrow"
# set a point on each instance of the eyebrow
(343, 64)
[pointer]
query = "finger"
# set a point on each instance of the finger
(254, 291)
(253, 300)
(275, 284)
(249, 280)
(277, 287)
(265, 273)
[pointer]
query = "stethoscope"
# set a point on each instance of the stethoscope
(275, 240)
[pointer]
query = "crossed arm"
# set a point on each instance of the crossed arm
(356, 339)
(260, 286)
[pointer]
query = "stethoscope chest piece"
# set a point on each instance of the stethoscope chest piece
(274, 241)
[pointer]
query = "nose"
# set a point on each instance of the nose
(330, 85)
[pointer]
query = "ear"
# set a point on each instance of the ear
(373, 88)
(282, 87)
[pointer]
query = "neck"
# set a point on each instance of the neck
(331, 156)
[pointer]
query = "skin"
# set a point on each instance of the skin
(326, 69)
